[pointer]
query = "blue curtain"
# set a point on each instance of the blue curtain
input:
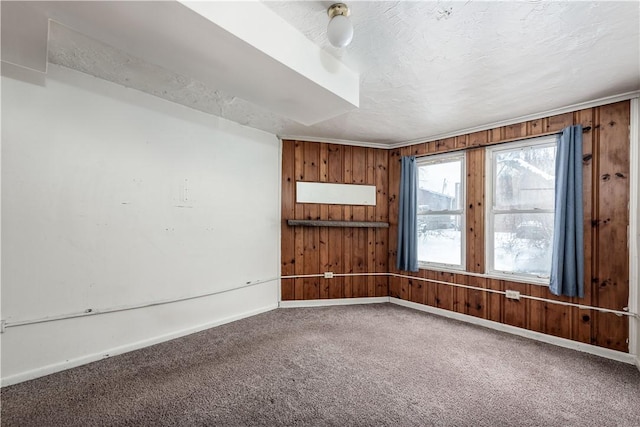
(407, 219)
(567, 265)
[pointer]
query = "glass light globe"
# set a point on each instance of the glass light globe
(340, 31)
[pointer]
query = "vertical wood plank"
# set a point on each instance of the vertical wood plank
(430, 296)
(612, 221)
(335, 236)
(311, 257)
(559, 122)
(536, 309)
(460, 295)
(475, 235)
(382, 182)
(534, 127)
(444, 293)
(418, 149)
(299, 267)
(359, 176)
(394, 287)
(515, 313)
(382, 282)
(394, 184)
(382, 214)
(444, 145)
(477, 300)
(595, 203)
(496, 135)
(432, 146)
(556, 317)
(370, 264)
(403, 292)
(418, 289)
(359, 253)
(288, 254)
(462, 141)
(359, 262)
(582, 319)
(478, 139)
(518, 130)
(323, 239)
(299, 213)
(495, 300)
(347, 233)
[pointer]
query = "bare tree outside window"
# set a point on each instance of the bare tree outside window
(441, 210)
(520, 217)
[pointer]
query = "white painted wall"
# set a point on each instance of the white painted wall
(111, 197)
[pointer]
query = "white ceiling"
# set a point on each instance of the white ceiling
(425, 68)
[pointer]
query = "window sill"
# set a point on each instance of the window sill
(443, 268)
(542, 281)
(492, 275)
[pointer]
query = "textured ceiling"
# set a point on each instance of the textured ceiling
(426, 68)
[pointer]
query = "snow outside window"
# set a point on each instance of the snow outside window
(440, 207)
(520, 189)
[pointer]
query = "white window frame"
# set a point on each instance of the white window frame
(441, 158)
(550, 140)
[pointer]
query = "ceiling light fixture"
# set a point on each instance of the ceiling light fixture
(340, 28)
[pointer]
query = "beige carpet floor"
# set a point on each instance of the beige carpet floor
(369, 365)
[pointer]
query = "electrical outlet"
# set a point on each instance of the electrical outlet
(328, 275)
(512, 295)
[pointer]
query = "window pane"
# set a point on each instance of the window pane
(524, 178)
(439, 186)
(440, 239)
(522, 243)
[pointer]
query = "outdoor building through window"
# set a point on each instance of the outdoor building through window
(440, 205)
(520, 188)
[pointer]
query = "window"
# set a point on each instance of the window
(441, 211)
(520, 191)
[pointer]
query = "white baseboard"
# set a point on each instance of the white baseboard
(550, 339)
(562, 342)
(328, 302)
(73, 363)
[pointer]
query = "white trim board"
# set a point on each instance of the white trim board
(73, 363)
(549, 339)
(634, 228)
(554, 112)
(598, 351)
(349, 142)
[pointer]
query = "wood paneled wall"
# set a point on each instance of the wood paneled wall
(314, 250)
(307, 250)
(606, 216)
